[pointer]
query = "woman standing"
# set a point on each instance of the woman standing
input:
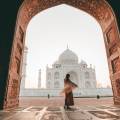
(68, 87)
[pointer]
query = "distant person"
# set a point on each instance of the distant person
(48, 96)
(68, 87)
(98, 96)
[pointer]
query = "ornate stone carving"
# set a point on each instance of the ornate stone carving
(21, 34)
(113, 49)
(97, 8)
(19, 49)
(116, 65)
(17, 62)
(32, 10)
(103, 12)
(118, 86)
(14, 89)
(111, 35)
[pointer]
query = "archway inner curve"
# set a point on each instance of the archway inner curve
(106, 19)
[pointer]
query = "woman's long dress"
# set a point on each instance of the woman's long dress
(68, 87)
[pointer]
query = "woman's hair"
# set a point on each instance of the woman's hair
(67, 76)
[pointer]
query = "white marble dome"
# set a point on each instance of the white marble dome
(68, 57)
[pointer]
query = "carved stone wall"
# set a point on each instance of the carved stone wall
(118, 87)
(99, 9)
(116, 65)
(12, 95)
(112, 46)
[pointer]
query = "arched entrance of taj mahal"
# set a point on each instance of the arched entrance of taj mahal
(99, 9)
(73, 76)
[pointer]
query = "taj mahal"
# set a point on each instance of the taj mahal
(80, 73)
(68, 62)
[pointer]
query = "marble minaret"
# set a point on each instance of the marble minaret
(39, 79)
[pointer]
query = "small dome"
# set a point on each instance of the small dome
(55, 64)
(83, 62)
(68, 57)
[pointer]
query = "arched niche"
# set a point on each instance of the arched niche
(73, 77)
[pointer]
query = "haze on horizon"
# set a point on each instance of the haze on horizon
(49, 33)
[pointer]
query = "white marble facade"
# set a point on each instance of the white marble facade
(80, 73)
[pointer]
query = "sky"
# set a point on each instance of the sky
(50, 31)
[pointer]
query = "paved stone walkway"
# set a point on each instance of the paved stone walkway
(36, 108)
(101, 112)
(59, 101)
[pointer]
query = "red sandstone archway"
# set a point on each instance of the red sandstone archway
(99, 9)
